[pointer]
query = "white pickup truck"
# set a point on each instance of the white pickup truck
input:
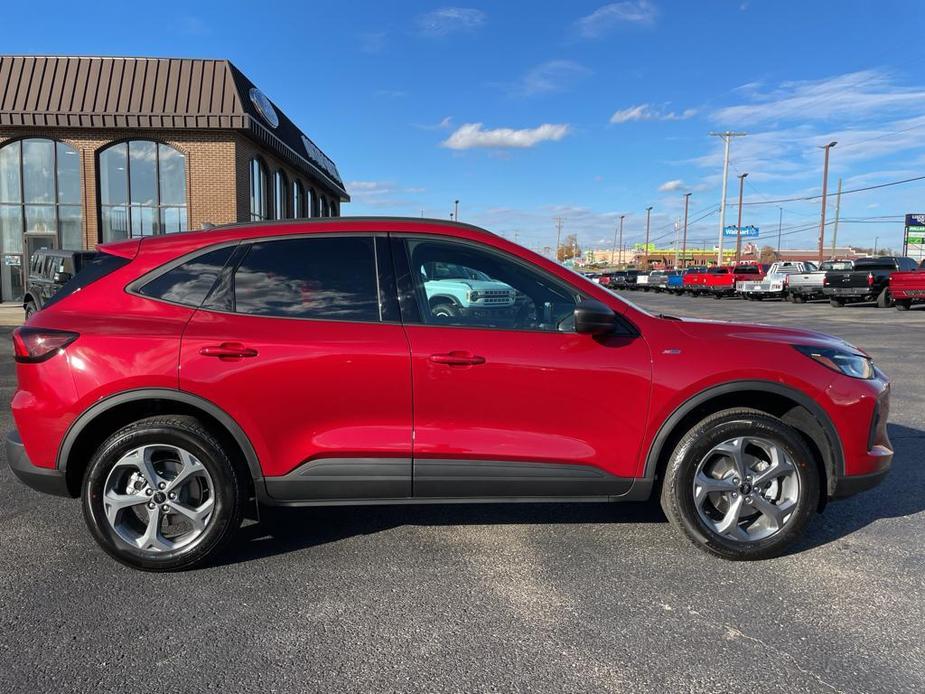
(774, 283)
(806, 286)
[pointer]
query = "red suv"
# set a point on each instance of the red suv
(177, 379)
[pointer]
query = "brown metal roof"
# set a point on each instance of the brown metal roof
(116, 92)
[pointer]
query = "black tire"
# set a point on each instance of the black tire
(677, 497)
(885, 299)
(717, 295)
(31, 309)
(903, 304)
(836, 302)
(444, 310)
(228, 480)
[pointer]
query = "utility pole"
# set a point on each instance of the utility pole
(739, 225)
(727, 137)
(677, 240)
(825, 186)
(648, 217)
(687, 197)
(613, 256)
(780, 227)
(837, 215)
(558, 235)
(876, 241)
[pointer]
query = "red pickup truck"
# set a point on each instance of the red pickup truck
(907, 288)
(721, 281)
(693, 280)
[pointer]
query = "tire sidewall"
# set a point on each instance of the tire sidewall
(698, 443)
(212, 458)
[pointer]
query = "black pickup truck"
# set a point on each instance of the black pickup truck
(868, 281)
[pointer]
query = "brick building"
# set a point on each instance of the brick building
(100, 149)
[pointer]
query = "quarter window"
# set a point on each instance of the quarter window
(190, 282)
(142, 190)
(463, 285)
(321, 278)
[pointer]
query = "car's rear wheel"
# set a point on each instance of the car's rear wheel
(741, 484)
(837, 303)
(903, 304)
(885, 299)
(161, 495)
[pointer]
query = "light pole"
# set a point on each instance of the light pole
(739, 225)
(648, 217)
(456, 210)
(825, 186)
(727, 138)
(687, 197)
(876, 240)
(780, 227)
(613, 256)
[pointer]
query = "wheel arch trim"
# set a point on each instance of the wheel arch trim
(834, 463)
(105, 405)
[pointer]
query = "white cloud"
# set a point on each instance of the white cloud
(549, 77)
(606, 18)
(381, 194)
(851, 97)
(647, 112)
(671, 186)
(471, 135)
(449, 20)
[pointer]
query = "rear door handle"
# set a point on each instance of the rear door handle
(458, 358)
(228, 351)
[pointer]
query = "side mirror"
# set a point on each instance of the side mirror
(594, 318)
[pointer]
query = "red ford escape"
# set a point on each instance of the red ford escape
(178, 379)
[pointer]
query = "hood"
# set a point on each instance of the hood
(483, 285)
(715, 329)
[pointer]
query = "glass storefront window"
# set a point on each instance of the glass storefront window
(258, 188)
(142, 190)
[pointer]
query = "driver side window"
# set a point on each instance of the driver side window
(463, 285)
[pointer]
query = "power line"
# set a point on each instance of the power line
(844, 192)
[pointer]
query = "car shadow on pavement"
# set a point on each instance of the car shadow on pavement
(288, 530)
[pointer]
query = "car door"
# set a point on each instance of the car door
(508, 399)
(300, 342)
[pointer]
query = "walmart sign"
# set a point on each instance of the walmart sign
(750, 231)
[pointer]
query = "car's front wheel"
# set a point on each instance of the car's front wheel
(31, 309)
(741, 484)
(162, 495)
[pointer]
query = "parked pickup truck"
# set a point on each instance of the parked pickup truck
(694, 278)
(629, 280)
(774, 284)
(722, 281)
(806, 286)
(658, 280)
(674, 281)
(908, 287)
(868, 281)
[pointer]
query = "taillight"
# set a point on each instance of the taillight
(870, 279)
(32, 345)
(825, 281)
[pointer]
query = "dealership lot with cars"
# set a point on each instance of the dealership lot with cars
(540, 597)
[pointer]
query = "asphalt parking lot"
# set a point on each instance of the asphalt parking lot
(493, 598)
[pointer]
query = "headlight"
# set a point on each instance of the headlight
(848, 363)
(474, 296)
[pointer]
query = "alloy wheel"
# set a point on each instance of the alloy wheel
(159, 498)
(746, 489)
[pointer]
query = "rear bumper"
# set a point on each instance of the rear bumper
(47, 480)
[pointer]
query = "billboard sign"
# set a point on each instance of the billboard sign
(750, 231)
(914, 238)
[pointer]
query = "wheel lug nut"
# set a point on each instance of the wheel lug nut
(149, 491)
(735, 480)
(171, 496)
(734, 495)
(151, 505)
(161, 485)
(165, 508)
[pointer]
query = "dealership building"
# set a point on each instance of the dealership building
(97, 149)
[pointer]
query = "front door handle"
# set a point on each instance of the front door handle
(458, 358)
(228, 351)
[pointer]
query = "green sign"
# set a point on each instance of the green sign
(916, 238)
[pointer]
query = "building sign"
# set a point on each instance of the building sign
(914, 236)
(749, 231)
(320, 158)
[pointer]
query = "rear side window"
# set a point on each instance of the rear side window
(190, 282)
(102, 265)
(331, 278)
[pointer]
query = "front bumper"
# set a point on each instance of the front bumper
(47, 480)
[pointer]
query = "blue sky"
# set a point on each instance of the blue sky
(525, 111)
